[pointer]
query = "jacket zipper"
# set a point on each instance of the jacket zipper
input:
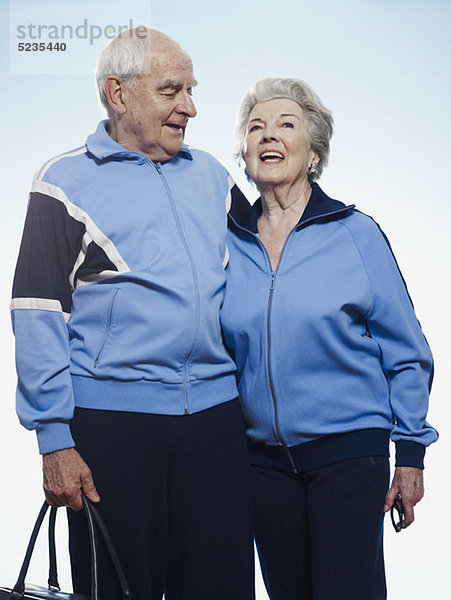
(195, 280)
(268, 319)
(268, 356)
(108, 327)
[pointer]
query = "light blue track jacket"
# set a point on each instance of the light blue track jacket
(329, 342)
(118, 287)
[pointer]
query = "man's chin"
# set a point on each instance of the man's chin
(165, 154)
(171, 150)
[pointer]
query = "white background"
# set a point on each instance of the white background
(383, 68)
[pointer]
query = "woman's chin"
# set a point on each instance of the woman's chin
(269, 179)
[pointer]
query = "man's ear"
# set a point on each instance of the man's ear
(114, 90)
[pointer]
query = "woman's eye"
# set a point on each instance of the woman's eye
(288, 124)
(254, 128)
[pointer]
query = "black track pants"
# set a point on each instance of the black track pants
(319, 533)
(176, 499)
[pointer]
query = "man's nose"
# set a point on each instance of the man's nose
(186, 106)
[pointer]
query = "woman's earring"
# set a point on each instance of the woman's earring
(312, 168)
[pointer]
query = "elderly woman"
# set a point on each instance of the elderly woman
(331, 360)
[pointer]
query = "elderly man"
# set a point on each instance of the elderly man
(122, 369)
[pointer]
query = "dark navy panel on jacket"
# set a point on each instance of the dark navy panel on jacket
(118, 288)
(51, 242)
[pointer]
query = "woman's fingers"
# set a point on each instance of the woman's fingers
(408, 483)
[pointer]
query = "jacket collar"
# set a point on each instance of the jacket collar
(102, 146)
(318, 207)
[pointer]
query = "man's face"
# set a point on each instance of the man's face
(159, 109)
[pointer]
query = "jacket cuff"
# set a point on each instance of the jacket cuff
(54, 436)
(409, 454)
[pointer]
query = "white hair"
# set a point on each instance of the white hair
(123, 57)
(319, 118)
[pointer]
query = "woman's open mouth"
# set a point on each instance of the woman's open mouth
(272, 156)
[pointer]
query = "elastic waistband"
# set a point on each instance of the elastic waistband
(153, 397)
(323, 451)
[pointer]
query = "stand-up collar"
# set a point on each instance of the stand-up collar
(102, 146)
(319, 206)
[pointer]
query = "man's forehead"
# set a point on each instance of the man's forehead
(164, 73)
(168, 62)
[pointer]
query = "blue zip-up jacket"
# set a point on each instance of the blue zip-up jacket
(118, 287)
(329, 342)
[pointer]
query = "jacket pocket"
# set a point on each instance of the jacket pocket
(109, 324)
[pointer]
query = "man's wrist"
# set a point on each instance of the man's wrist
(54, 436)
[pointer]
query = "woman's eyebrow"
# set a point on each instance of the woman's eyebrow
(280, 116)
(290, 115)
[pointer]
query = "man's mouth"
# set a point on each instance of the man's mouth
(272, 156)
(176, 127)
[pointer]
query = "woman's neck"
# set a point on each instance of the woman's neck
(285, 202)
(282, 207)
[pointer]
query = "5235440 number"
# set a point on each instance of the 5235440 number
(41, 47)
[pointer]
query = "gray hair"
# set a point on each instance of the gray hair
(319, 118)
(123, 57)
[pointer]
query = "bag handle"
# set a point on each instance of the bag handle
(92, 516)
(53, 572)
(19, 588)
(91, 510)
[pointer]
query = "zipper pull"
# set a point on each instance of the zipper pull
(158, 168)
(273, 277)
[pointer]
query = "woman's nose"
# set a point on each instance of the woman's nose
(269, 134)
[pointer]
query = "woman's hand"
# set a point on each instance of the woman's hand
(408, 482)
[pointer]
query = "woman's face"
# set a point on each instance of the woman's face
(277, 149)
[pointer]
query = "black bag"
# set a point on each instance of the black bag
(22, 591)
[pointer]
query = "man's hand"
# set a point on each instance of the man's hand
(407, 481)
(65, 474)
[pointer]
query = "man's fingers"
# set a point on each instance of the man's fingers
(73, 498)
(88, 486)
(52, 499)
(65, 474)
(64, 497)
(54, 495)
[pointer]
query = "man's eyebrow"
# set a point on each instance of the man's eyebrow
(172, 84)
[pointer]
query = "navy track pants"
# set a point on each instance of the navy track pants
(176, 499)
(319, 534)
